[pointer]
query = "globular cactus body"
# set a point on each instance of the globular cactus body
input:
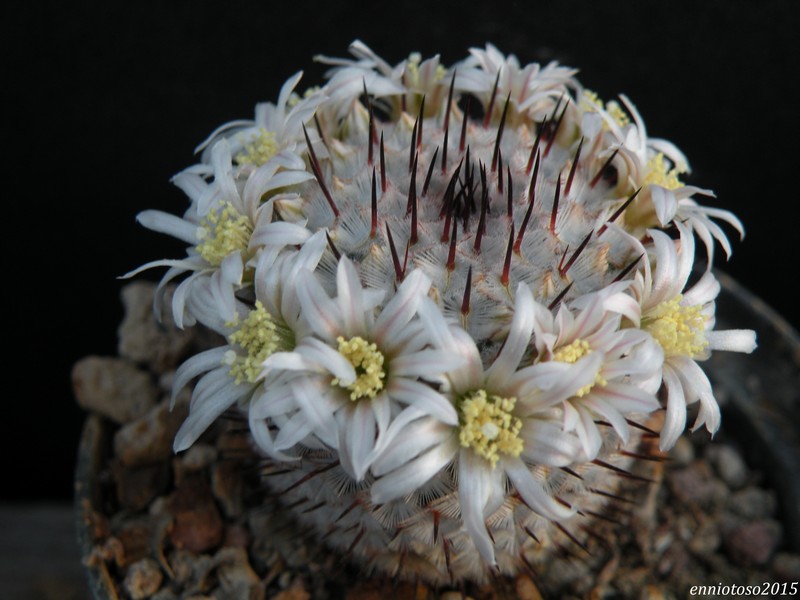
(446, 331)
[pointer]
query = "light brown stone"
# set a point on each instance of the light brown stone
(113, 387)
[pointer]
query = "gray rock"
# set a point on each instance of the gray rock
(113, 387)
(753, 503)
(729, 464)
(697, 485)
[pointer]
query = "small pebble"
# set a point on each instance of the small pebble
(113, 387)
(526, 589)
(198, 457)
(198, 524)
(164, 594)
(697, 485)
(729, 464)
(293, 593)
(137, 487)
(753, 503)
(143, 579)
(236, 577)
(786, 566)
(149, 438)
(753, 544)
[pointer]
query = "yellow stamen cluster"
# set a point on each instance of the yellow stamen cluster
(658, 174)
(571, 353)
(223, 232)
(368, 363)
(294, 99)
(679, 330)
(591, 101)
(259, 150)
(412, 71)
(259, 337)
(488, 426)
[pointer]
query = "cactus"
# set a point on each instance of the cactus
(453, 299)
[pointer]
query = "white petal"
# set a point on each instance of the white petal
(548, 444)
(318, 408)
(320, 311)
(696, 382)
(426, 363)
(162, 222)
(611, 413)
(259, 429)
(627, 398)
(401, 308)
(408, 436)
(424, 398)
(435, 324)
(349, 299)
(675, 420)
(475, 483)
(664, 202)
(327, 358)
(704, 291)
(413, 474)
(293, 431)
(279, 233)
(223, 172)
(519, 336)
(191, 368)
(587, 432)
(356, 438)
(205, 412)
(533, 492)
(732, 340)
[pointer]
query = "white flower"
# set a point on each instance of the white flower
(276, 133)
(532, 90)
(656, 165)
(360, 369)
(506, 425)
(682, 322)
(224, 226)
(348, 79)
(235, 372)
(626, 360)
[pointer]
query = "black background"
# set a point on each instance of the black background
(108, 100)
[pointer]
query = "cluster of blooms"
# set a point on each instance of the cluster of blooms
(443, 313)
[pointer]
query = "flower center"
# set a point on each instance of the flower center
(368, 363)
(259, 150)
(679, 330)
(488, 427)
(657, 173)
(259, 336)
(223, 232)
(570, 354)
